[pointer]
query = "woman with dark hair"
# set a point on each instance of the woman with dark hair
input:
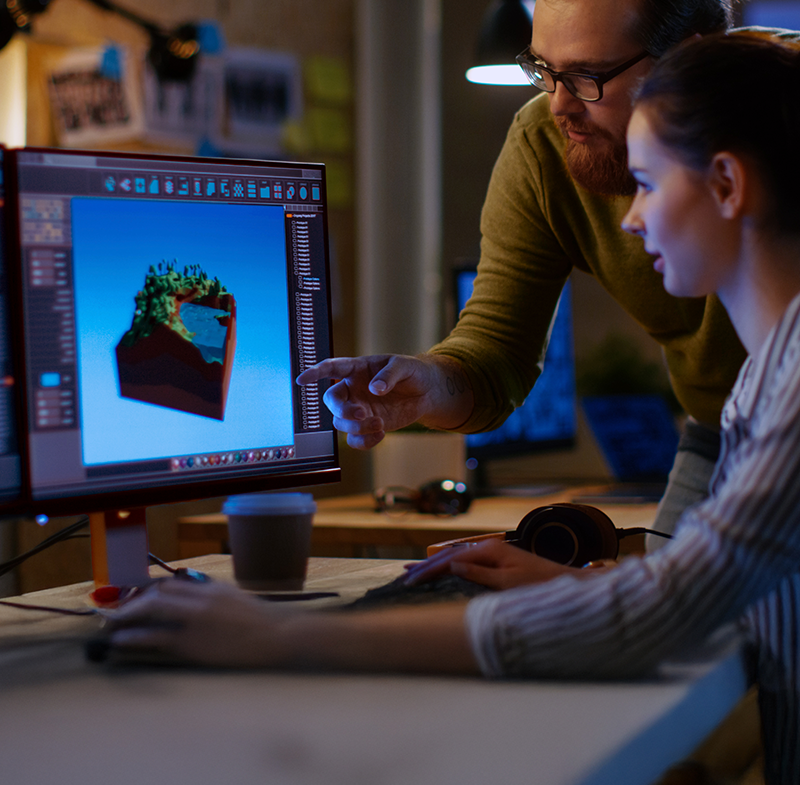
(662, 24)
(716, 207)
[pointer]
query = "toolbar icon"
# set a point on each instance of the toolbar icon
(303, 191)
(155, 185)
(224, 187)
(290, 191)
(211, 186)
(110, 183)
(197, 186)
(264, 190)
(238, 189)
(183, 186)
(125, 184)
(138, 185)
(169, 185)
(278, 190)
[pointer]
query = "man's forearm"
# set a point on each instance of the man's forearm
(451, 395)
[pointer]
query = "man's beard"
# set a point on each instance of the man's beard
(601, 171)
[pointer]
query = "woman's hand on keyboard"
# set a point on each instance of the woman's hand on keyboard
(491, 563)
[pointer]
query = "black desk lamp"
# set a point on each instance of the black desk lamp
(505, 32)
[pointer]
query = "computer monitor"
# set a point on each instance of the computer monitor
(547, 419)
(167, 305)
(10, 470)
(772, 13)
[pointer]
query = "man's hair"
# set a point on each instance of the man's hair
(661, 24)
(698, 101)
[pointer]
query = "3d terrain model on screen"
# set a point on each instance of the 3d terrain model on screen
(179, 350)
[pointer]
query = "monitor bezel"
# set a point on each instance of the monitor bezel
(16, 503)
(197, 488)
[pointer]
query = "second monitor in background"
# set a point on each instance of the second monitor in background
(771, 13)
(547, 420)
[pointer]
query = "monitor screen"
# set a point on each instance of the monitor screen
(547, 419)
(772, 13)
(167, 306)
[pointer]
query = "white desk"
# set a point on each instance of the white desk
(65, 721)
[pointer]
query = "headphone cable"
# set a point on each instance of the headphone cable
(621, 533)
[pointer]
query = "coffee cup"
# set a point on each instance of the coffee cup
(270, 539)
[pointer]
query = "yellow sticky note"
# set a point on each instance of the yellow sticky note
(328, 80)
(297, 138)
(329, 129)
(339, 183)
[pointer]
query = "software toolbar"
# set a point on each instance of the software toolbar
(294, 188)
(294, 192)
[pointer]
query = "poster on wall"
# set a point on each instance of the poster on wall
(235, 104)
(94, 97)
(261, 92)
(183, 112)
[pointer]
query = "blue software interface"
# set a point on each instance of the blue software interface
(772, 13)
(169, 304)
(548, 416)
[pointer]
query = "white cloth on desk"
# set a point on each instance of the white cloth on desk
(737, 551)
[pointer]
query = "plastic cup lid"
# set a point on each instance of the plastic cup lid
(270, 504)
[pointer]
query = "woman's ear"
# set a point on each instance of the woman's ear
(728, 183)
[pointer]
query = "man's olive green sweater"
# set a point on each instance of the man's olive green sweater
(538, 225)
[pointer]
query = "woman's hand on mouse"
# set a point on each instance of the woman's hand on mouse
(491, 563)
(207, 624)
(218, 625)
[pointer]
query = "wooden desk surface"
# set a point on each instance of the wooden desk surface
(350, 577)
(353, 521)
(64, 721)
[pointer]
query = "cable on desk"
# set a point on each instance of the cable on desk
(621, 533)
(185, 573)
(68, 532)
(27, 606)
(58, 536)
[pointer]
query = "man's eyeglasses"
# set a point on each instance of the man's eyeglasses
(586, 86)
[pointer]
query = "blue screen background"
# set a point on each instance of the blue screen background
(548, 414)
(772, 13)
(114, 243)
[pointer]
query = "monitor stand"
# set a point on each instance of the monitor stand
(119, 547)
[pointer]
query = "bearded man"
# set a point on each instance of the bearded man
(556, 199)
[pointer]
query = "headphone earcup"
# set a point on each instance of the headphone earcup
(571, 534)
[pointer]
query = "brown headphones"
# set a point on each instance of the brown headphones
(571, 534)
